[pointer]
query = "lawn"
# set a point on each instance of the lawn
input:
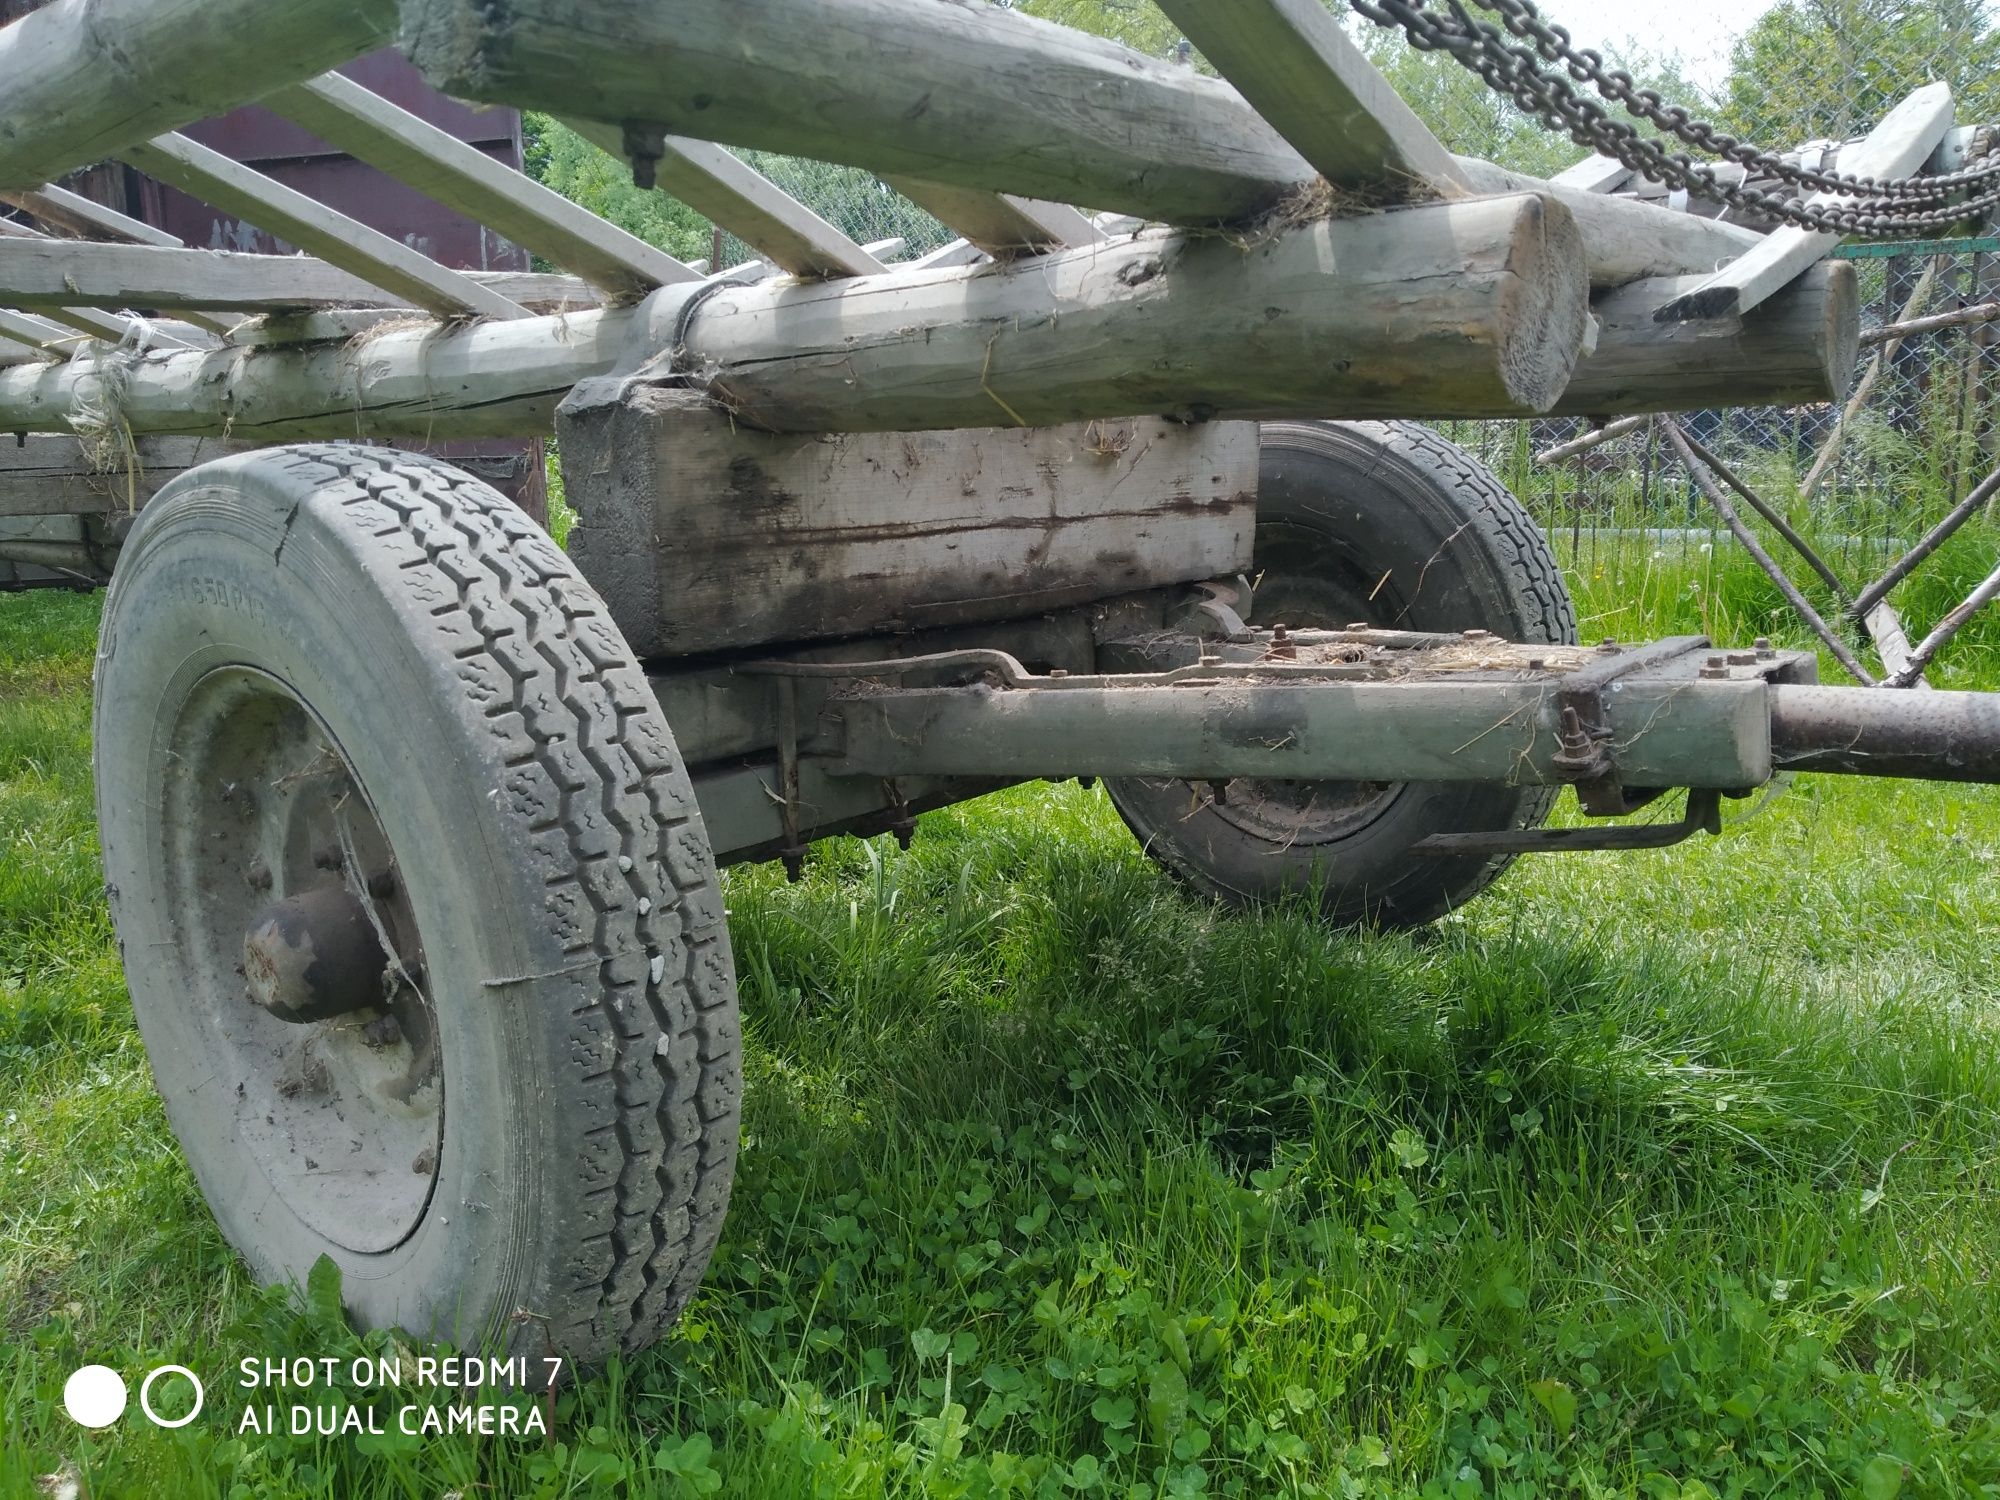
(1670, 1174)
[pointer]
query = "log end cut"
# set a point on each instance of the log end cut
(1544, 313)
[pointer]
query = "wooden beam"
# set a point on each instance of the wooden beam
(1475, 308)
(462, 177)
(1624, 239)
(88, 322)
(49, 475)
(62, 209)
(1000, 223)
(725, 188)
(82, 79)
(1797, 348)
(1594, 174)
(1908, 134)
(946, 91)
(1293, 63)
(292, 216)
(956, 253)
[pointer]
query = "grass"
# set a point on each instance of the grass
(1669, 1175)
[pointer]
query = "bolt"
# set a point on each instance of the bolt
(1058, 671)
(1209, 655)
(1218, 792)
(905, 833)
(1607, 644)
(1360, 625)
(1742, 658)
(1538, 663)
(1764, 651)
(384, 1031)
(1086, 782)
(1283, 647)
(1476, 635)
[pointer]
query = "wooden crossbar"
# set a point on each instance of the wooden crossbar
(999, 223)
(725, 188)
(461, 176)
(1896, 147)
(1296, 67)
(291, 215)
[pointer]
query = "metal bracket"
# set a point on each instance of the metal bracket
(1585, 759)
(1704, 813)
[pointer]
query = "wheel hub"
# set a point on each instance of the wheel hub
(314, 956)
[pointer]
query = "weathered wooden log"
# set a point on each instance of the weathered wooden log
(82, 79)
(1473, 309)
(1624, 239)
(1477, 305)
(1797, 347)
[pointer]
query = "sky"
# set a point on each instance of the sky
(1700, 30)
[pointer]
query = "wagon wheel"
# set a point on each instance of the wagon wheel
(420, 919)
(1389, 524)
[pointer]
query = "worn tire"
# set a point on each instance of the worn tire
(1385, 522)
(545, 830)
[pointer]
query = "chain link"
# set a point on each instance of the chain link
(1873, 207)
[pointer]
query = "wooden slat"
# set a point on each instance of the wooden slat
(1293, 63)
(725, 188)
(289, 215)
(1908, 134)
(462, 177)
(1000, 223)
(89, 322)
(36, 333)
(957, 253)
(82, 79)
(65, 273)
(63, 209)
(1594, 174)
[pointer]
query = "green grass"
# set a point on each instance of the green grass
(1669, 1175)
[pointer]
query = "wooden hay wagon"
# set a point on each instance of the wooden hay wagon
(411, 821)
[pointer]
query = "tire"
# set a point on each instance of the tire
(1386, 523)
(343, 668)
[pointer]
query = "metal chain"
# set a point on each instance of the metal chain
(1876, 208)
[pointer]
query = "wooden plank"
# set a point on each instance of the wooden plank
(462, 177)
(289, 215)
(1295, 65)
(93, 324)
(1594, 174)
(1896, 147)
(999, 223)
(62, 209)
(1797, 348)
(82, 79)
(956, 253)
(703, 535)
(47, 340)
(723, 187)
(1474, 308)
(48, 475)
(59, 273)
(1892, 644)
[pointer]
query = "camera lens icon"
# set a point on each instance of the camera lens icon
(96, 1396)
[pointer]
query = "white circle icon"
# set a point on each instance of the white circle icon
(146, 1392)
(94, 1396)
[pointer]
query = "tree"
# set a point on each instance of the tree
(1810, 69)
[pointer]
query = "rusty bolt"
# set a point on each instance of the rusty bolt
(1360, 625)
(1282, 645)
(1743, 658)
(1607, 644)
(1764, 651)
